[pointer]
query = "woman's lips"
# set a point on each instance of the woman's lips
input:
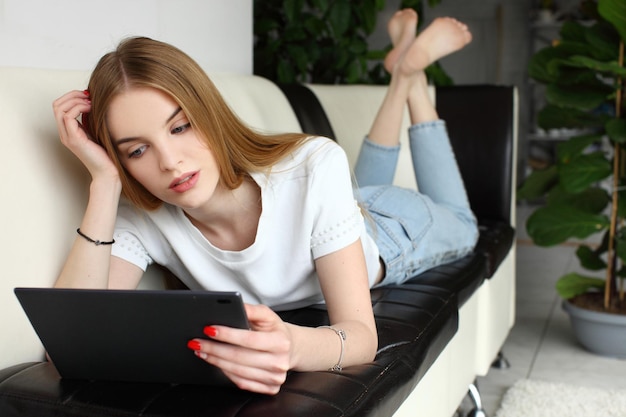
(184, 182)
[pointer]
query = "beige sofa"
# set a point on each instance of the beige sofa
(46, 189)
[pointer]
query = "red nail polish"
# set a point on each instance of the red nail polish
(194, 345)
(210, 331)
(86, 92)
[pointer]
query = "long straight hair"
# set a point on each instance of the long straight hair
(143, 62)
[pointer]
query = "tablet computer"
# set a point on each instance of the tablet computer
(129, 335)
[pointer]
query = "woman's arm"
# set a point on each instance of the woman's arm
(88, 264)
(343, 278)
(258, 360)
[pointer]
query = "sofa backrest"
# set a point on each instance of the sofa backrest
(481, 120)
(351, 109)
(482, 123)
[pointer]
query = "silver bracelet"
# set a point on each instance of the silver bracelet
(342, 337)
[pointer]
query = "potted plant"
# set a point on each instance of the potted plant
(585, 189)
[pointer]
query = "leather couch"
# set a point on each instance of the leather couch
(436, 333)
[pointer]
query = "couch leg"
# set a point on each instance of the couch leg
(474, 395)
(501, 362)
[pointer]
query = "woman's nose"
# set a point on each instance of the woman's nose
(169, 159)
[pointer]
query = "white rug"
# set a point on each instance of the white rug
(532, 398)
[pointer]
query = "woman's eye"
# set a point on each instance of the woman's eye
(181, 129)
(137, 152)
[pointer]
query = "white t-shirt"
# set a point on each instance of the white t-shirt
(308, 211)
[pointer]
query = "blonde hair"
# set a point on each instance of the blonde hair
(144, 62)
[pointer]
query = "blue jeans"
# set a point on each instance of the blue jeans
(416, 231)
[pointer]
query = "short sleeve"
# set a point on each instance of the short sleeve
(338, 220)
(129, 248)
(127, 244)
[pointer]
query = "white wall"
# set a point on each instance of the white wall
(73, 34)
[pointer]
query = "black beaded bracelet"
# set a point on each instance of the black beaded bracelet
(95, 242)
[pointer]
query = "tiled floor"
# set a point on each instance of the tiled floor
(541, 344)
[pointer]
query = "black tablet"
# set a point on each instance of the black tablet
(129, 335)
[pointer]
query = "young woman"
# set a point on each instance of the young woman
(272, 216)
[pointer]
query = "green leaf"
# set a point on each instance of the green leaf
(581, 172)
(339, 17)
(590, 259)
(358, 47)
(621, 248)
(574, 284)
(572, 30)
(621, 205)
(575, 146)
(604, 41)
(298, 56)
(570, 73)
(313, 25)
(616, 130)
(262, 26)
(607, 67)
(551, 225)
(592, 200)
(292, 9)
(368, 13)
(577, 97)
(437, 76)
(376, 55)
(285, 72)
(538, 183)
(554, 117)
(538, 67)
(614, 11)
(321, 5)
(353, 72)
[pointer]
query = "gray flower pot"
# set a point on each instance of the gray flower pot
(601, 333)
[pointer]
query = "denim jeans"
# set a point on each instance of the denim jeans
(416, 231)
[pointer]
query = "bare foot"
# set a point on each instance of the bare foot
(401, 28)
(442, 37)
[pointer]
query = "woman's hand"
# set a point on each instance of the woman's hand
(255, 360)
(73, 135)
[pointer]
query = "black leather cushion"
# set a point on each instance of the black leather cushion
(494, 242)
(415, 323)
(462, 277)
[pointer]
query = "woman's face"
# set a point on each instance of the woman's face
(160, 149)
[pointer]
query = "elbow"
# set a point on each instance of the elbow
(373, 347)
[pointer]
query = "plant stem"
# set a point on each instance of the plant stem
(618, 114)
(612, 229)
(612, 261)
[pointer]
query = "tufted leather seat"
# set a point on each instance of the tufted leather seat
(415, 322)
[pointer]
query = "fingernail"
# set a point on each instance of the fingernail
(194, 345)
(86, 92)
(210, 331)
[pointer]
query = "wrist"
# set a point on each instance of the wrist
(294, 356)
(111, 183)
